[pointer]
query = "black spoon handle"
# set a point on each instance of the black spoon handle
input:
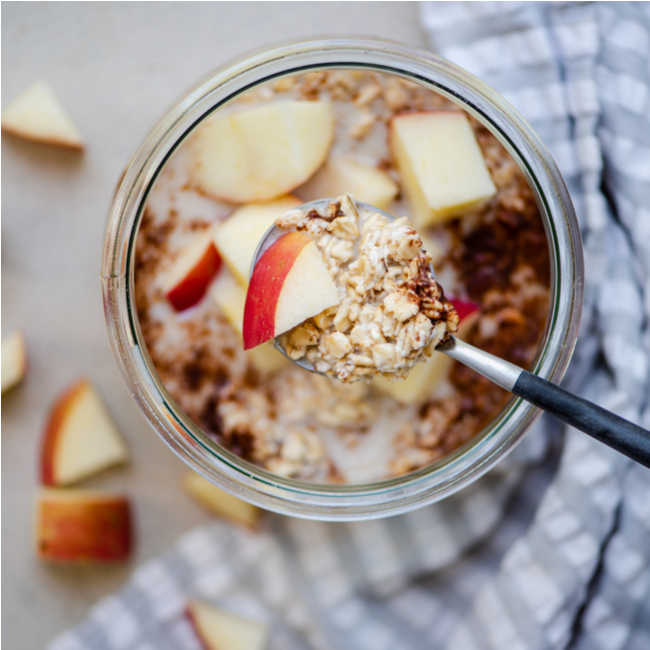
(618, 433)
(610, 429)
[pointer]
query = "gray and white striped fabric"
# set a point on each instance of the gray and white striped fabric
(552, 548)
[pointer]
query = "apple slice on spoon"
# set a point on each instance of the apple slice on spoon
(289, 284)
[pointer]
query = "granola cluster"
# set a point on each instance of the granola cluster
(392, 312)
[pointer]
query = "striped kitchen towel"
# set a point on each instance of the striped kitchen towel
(549, 550)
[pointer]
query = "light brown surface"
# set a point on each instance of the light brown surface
(116, 67)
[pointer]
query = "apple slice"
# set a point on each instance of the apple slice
(238, 236)
(82, 525)
(80, 438)
(440, 164)
(219, 630)
(290, 283)
(189, 278)
(230, 297)
(14, 360)
(424, 376)
(38, 115)
(339, 176)
(220, 502)
(264, 152)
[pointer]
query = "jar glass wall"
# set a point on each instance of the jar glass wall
(194, 446)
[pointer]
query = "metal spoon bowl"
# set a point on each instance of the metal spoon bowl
(612, 430)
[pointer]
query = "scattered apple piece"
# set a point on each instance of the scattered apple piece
(221, 502)
(238, 236)
(339, 176)
(14, 359)
(290, 283)
(193, 271)
(424, 376)
(440, 164)
(80, 437)
(220, 630)
(262, 153)
(230, 297)
(82, 525)
(38, 115)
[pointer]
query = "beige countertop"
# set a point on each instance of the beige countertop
(117, 67)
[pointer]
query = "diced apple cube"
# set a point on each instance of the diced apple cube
(339, 176)
(238, 236)
(221, 502)
(82, 526)
(264, 152)
(441, 165)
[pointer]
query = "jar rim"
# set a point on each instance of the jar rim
(250, 482)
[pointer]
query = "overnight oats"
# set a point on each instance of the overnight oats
(383, 312)
(382, 140)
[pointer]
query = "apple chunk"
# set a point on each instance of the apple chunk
(339, 176)
(238, 236)
(189, 278)
(80, 438)
(230, 297)
(82, 525)
(38, 115)
(220, 630)
(440, 164)
(290, 283)
(264, 152)
(424, 376)
(14, 360)
(220, 502)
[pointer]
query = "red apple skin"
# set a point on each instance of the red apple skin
(85, 529)
(464, 308)
(265, 286)
(189, 291)
(53, 429)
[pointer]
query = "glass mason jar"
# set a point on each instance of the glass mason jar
(250, 482)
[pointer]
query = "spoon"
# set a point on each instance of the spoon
(610, 429)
